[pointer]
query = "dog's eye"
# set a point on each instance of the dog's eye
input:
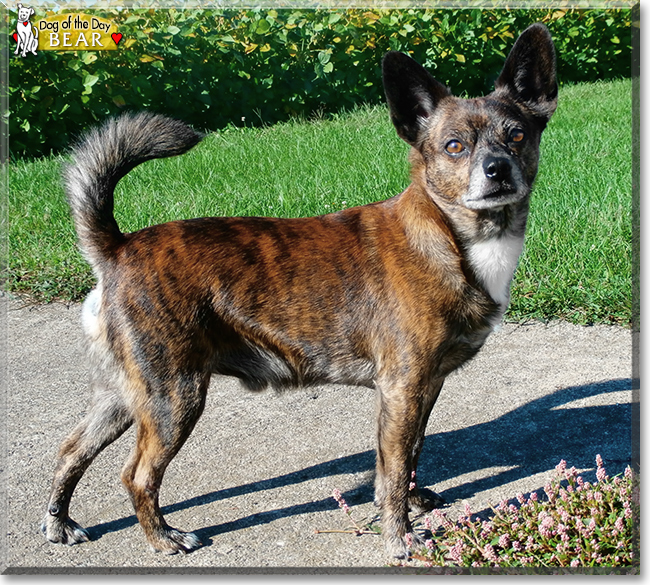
(454, 147)
(517, 135)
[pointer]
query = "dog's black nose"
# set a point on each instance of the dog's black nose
(497, 168)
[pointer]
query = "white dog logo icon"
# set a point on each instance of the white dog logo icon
(27, 35)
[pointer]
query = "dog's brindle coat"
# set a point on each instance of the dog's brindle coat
(394, 295)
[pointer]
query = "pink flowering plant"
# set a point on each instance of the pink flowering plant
(356, 527)
(577, 524)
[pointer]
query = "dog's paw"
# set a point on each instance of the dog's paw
(172, 541)
(424, 500)
(63, 530)
(400, 547)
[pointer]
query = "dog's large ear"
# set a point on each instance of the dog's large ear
(529, 72)
(412, 94)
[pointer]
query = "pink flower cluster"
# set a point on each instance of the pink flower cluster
(601, 474)
(412, 484)
(572, 526)
(336, 494)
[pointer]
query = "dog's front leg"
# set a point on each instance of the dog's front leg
(423, 500)
(402, 409)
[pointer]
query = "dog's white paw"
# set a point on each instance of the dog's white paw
(63, 530)
(172, 541)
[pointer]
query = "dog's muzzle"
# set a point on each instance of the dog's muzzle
(494, 182)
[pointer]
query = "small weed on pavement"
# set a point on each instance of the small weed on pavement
(358, 527)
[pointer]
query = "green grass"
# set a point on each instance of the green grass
(577, 262)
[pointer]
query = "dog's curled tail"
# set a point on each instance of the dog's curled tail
(101, 158)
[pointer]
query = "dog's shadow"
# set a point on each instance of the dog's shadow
(525, 441)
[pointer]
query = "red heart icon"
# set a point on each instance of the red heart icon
(15, 36)
(117, 37)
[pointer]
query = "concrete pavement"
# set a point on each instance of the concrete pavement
(254, 481)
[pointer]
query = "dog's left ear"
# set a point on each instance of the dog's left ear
(528, 75)
(412, 94)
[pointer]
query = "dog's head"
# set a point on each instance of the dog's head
(480, 153)
(24, 13)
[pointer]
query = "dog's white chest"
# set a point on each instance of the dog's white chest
(494, 262)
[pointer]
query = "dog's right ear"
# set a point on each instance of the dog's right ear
(412, 94)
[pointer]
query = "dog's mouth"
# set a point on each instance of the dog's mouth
(496, 196)
(502, 190)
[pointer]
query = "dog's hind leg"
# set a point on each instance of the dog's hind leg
(164, 422)
(107, 419)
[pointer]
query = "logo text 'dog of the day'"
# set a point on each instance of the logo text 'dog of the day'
(74, 32)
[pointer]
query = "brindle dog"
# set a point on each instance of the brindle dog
(394, 295)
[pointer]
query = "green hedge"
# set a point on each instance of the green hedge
(217, 67)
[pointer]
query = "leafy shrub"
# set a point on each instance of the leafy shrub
(212, 68)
